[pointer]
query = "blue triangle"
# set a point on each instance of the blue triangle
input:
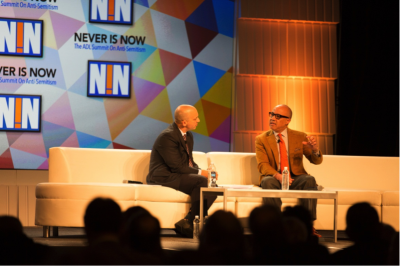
(89, 141)
(85, 8)
(137, 58)
(26, 160)
(201, 143)
(142, 2)
(54, 135)
(224, 13)
(80, 87)
(204, 16)
(206, 76)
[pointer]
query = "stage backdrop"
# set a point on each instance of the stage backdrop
(180, 53)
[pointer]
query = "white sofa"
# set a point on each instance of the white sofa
(78, 175)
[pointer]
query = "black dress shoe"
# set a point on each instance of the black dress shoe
(185, 228)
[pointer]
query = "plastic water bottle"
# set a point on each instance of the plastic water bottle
(285, 179)
(196, 227)
(212, 174)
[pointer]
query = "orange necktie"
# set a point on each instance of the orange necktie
(187, 149)
(283, 154)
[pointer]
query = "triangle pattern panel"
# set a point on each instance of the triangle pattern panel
(145, 92)
(215, 115)
(202, 126)
(25, 160)
(199, 37)
(93, 29)
(13, 136)
(7, 12)
(64, 27)
(89, 141)
(201, 142)
(54, 135)
(48, 31)
(3, 142)
(221, 92)
(138, 11)
(151, 69)
(85, 9)
(28, 13)
(223, 132)
(138, 58)
(72, 9)
(206, 76)
(17, 62)
(141, 133)
(159, 108)
(111, 55)
(71, 141)
(174, 39)
(50, 60)
(224, 14)
(6, 161)
(151, 2)
(142, 2)
(80, 86)
(31, 143)
(180, 9)
(60, 113)
(120, 113)
(120, 146)
(218, 53)
(44, 165)
(143, 27)
(204, 16)
(172, 64)
(217, 145)
(183, 89)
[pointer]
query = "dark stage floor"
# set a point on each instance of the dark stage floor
(73, 238)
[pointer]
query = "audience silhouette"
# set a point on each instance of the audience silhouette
(133, 237)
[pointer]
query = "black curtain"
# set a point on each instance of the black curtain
(367, 95)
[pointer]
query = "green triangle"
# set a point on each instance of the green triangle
(151, 69)
(202, 126)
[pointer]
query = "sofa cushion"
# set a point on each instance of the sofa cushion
(390, 198)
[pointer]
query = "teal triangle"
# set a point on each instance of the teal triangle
(206, 76)
(54, 135)
(26, 160)
(137, 58)
(80, 87)
(89, 141)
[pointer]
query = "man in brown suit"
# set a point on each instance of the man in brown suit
(297, 144)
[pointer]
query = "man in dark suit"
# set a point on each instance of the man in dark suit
(172, 164)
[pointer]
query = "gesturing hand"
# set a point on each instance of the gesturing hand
(311, 143)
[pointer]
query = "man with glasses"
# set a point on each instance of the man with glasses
(283, 147)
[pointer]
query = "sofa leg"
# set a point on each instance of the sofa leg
(46, 231)
(55, 231)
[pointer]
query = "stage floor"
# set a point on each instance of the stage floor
(73, 238)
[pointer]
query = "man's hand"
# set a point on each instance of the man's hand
(205, 174)
(312, 143)
(278, 177)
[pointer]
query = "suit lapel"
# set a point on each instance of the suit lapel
(179, 135)
(272, 143)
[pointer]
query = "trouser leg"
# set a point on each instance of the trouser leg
(269, 182)
(306, 182)
(191, 184)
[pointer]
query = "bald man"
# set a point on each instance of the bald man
(271, 160)
(172, 164)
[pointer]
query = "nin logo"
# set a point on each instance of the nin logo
(111, 11)
(21, 37)
(109, 79)
(20, 112)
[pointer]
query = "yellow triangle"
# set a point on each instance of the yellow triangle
(159, 108)
(151, 69)
(202, 126)
(221, 92)
(50, 39)
(144, 27)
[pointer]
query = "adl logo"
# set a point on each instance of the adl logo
(20, 112)
(109, 79)
(111, 11)
(21, 37)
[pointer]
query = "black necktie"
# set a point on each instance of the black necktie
(187, 149)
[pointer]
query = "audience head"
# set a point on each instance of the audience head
(302, 214)
(295, 230)
(362, 223)
(102, 216)
(10, 225)
(222, 234)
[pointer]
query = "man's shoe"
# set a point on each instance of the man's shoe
(315, 233)
(185, 228)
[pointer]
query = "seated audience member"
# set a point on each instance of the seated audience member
(363, 227)
(308, 251)
(17, 248)
(393, 258)
(222, 240)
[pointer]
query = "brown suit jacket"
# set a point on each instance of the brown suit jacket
(268, 156)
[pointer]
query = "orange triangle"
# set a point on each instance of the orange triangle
(172, 64)
(177, 8)
(202, 126)
(215, 115)
(144, 27)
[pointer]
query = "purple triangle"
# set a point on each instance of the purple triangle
(223, 132)
(145, 92)
(64, 27)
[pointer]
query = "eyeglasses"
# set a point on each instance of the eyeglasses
(278, 116)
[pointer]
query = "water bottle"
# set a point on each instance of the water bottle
(285, 179)
(196, 227)
(212, 175)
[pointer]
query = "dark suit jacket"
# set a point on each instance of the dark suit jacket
(268, 157)
(169, 158)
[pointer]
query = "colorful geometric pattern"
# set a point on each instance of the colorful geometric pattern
(187, 60)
